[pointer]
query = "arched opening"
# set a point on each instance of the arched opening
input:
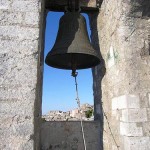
(69, 131)
(59, 97)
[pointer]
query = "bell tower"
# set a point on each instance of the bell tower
(121, 35)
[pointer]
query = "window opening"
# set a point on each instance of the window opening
(58, 101)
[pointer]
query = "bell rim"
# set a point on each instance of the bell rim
(50, 63)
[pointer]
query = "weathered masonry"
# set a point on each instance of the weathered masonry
(120, 31)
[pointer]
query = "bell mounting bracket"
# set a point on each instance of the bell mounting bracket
(86, 6)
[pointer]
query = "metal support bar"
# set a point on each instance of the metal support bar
(85, 5)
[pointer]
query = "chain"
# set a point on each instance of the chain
(74, 74)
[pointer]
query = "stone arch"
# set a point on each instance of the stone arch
(95, 126)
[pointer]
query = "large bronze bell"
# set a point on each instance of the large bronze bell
(72, 49)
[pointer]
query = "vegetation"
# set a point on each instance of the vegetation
(43, 119)
(89, 113)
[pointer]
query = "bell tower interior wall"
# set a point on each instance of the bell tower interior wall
(122, 80)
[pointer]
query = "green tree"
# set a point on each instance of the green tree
(89, 113)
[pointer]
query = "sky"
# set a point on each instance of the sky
(58, 85)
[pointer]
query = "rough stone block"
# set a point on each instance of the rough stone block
(26, 6)
(23, 108)
(28, 145)
(5, 4)
(24, 48)
(144, 100)
(10, 18)
(146, 128)
(17, 143)
(136, 143)
(116, 114)
(119, 102)
(32, 18)
(20, 33)
(124, 116)
(134, 115)
(125, 101)
(130, 129)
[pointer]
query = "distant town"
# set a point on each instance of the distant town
(72, 115)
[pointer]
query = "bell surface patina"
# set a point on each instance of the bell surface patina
(72, 49)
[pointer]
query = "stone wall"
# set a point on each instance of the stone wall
(68, 136)
(123, 33)
(20, 74)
